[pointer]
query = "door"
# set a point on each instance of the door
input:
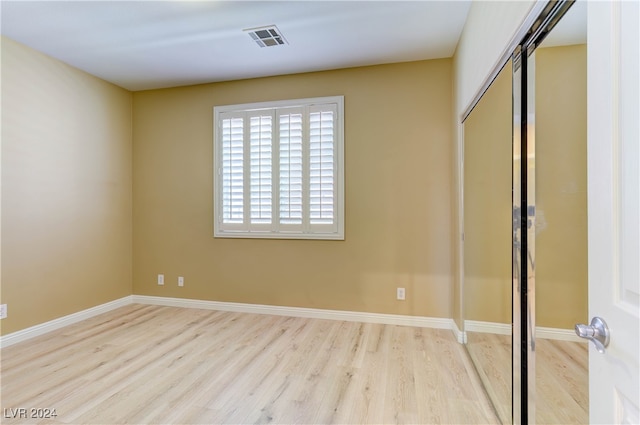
(613, 212)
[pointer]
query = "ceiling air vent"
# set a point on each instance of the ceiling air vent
(267, 36)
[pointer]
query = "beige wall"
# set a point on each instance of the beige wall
(398, 197)
(66, 189)
(561, 186)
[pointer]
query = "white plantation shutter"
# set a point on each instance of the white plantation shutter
(261, 174)
(291, 169)
(322, 171)
(280, 170)
(232, 171)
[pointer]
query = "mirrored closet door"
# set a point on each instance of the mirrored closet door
(558, 75)
(525, 226)
(487, 240)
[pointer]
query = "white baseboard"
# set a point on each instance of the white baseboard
(61, 322)
(558, 334)
(461, 336)
(314, 313)
(505, 329)
(487, 327)
(350, 316)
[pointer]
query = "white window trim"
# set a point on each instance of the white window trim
(226, 231)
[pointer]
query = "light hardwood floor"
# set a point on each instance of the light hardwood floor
(562, 382)
(145, 364)
(491, 354)
(562, 377)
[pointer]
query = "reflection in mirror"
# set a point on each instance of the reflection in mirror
(487, 240)
(561, 221)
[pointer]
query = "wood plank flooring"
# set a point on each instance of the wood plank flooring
(491, 353)
(144, 364)
(562, 377)
(562, 382)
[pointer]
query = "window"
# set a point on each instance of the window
(279, 169)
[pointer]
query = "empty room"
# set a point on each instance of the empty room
(315, 212)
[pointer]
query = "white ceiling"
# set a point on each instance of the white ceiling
(142, 45)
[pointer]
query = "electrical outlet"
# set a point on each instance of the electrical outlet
(160, 279)
(400, 293)
(180, 281)
(3, 311)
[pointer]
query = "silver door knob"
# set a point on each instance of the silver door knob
(597, 332)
